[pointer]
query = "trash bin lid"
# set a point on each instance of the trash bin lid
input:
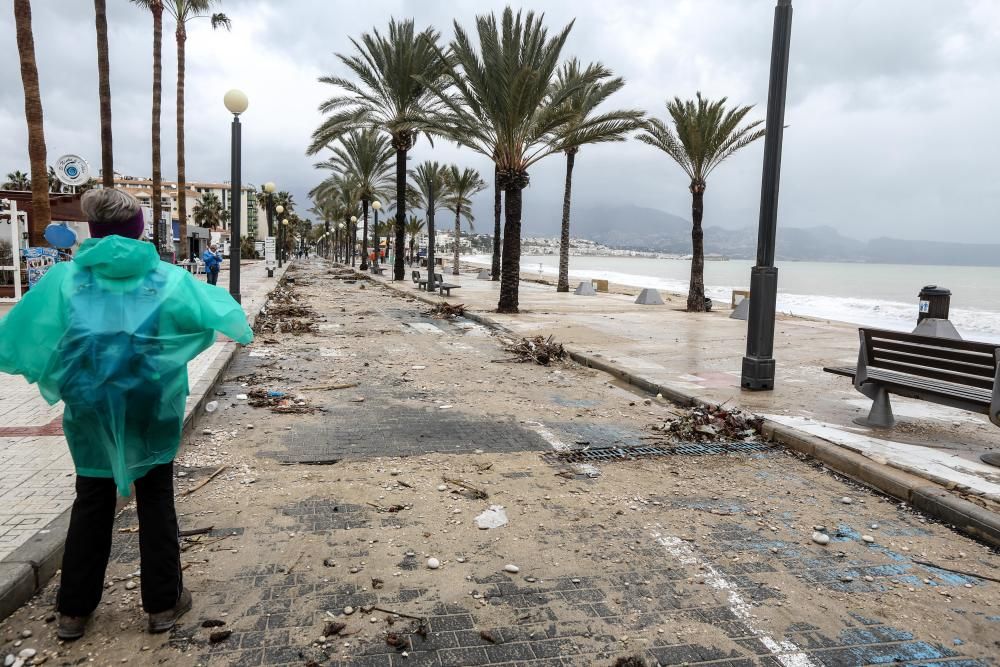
(934, 290)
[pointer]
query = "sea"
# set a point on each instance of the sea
(877, 295)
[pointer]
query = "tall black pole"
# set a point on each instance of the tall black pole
(235, 204)
(270, 226)
(758, 364)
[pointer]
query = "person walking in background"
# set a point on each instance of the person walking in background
(213, 264)
(110, 334)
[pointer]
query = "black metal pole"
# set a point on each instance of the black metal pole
(235, 204)
(270, 226)
(758, 364)
(375, 239)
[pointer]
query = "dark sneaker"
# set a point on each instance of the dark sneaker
(166, 620)
(71, 627)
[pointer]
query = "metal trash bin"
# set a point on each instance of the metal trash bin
(934, 302)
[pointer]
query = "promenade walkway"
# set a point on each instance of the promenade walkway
(36, 471)
(700, 354)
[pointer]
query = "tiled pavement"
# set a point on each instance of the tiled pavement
(36, 471)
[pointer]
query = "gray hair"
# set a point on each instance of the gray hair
(108, 205)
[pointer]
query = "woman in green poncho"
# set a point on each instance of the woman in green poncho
(110, 335)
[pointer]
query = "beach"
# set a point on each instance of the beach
(879, 295)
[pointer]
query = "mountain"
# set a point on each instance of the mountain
(639, 228)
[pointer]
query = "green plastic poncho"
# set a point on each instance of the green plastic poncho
(110, 334)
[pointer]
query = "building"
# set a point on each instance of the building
(198, 237)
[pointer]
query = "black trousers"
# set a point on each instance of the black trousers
(213, 277)
(88, 543)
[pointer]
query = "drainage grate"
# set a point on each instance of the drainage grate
(599, 454)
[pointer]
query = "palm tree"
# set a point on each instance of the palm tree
(55, 185)
(17, 180)
(396, 72)
(104, 88)
(156, 8)
(704, 134)
(587, 127)
(505, 109)
(430, 181)
(364, 156)
(41, 212)
(414, 227)
(463, 185)
(497, 213)
(184, 11)
(209, 212)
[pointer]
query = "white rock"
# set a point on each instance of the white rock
(241, 397)
(27, 654)
(211, 406)
(433, 563)
(869, 578)
(130, 586)
(417, 368)
(874, 526)
(494, 517)
(444, 407)
(846, 500)
(348, 611)
(820, 538)
(510, 567)
(868, 538)
(442, 487)
(8, 660)
(25, 634)
(460, 559)
(373, 619)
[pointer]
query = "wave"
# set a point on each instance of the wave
(972, 323)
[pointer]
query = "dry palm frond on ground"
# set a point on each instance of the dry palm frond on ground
(538, 349)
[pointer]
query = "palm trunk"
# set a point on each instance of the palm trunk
(181, 176)
(158, 241)
(430, 239)
(510, 274)
(458, 231)
(104, 88)
(41, 214)
(696, 291)
(364, 235)
(398, 269)
(495, 273)
(412, 241)
(563, 284)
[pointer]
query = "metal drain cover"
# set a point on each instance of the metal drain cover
(597, 454)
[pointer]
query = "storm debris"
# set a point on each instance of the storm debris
(540, 350)
(447, 311)
(712, 423)
(279, 402)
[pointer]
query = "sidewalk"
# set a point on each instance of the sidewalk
(699, 355)
(36, 471)
(384, 434)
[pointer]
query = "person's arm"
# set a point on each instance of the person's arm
(219, 311)
(32, 330)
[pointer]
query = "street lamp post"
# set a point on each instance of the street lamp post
(354, 238)
(236, 102)
(269, 206)
(758, 364)
(282, 234)
(375, 207)
(279, 209)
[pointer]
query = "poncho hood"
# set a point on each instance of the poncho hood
(117, 257)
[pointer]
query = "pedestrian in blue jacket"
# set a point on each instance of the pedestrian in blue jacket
(213, 263)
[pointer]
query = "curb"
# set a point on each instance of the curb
(926, 496)
(26, 570)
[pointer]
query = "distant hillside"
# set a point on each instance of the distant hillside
(639, 228)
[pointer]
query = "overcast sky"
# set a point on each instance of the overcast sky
(891, 111)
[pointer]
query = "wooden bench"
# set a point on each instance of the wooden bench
(442, 287)
(960, 374)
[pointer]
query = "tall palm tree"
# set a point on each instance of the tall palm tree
(155, 7)
(430, 181)
(503, 107)
(366, 157)
(497, 213)
(587, 127)
(41, 212)
(414, 228)
(17, 180)
(395, 73)
(209, 212)
(704, 134)
(463, 185)
(104, 88)
(183, 11)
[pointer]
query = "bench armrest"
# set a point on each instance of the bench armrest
(995, 403)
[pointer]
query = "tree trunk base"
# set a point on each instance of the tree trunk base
(562, 288)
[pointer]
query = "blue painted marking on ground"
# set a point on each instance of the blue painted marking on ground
(572, 403)
(995, 619)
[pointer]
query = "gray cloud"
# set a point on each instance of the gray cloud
(891, 102)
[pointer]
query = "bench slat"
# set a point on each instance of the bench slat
(931, 341)
(923, 360)
(919, 371)
(947, 388)
(907, 347)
